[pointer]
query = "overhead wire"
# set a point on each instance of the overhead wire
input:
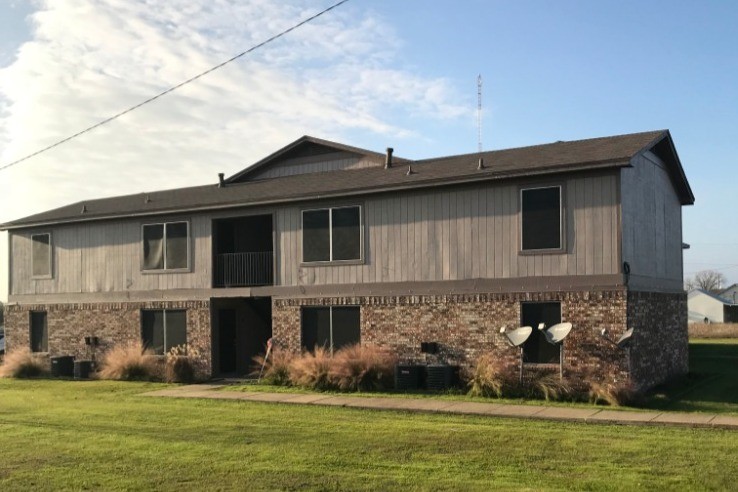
(175, 87)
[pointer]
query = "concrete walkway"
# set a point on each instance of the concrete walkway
(583, 415)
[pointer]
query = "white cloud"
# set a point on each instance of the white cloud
(89, 60)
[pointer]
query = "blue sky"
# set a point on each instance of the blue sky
(372, 74)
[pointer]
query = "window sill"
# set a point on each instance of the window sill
(533, 252)
(332, 263)
(43, 277)
(163, 272)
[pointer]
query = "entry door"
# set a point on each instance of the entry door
(227, 340)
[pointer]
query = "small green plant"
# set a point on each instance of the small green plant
(312, 370)
(362, 368)
(129, 362)
(22, 363)
(276, 367)
(182, 364)
(491, 377)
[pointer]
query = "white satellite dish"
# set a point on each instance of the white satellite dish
(624, 340)
(518, 336)
(557, 333)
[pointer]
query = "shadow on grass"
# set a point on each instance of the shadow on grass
(711, 385)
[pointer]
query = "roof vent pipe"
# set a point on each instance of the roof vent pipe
(388, 160)
(221, 180)
(481, 163)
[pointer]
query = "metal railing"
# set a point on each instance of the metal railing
(243, 269)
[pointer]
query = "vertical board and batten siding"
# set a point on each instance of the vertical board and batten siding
(439, 234)
(315, 164)
(106, 257)
(462, 233)
(652, 222)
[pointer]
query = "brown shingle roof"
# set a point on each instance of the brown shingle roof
(606, 152)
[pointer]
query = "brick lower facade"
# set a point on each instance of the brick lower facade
(464, 325)
(112, 323)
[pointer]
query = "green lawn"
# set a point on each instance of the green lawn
(712, 385)
(103, 435)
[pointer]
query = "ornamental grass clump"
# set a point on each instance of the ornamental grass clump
(491, 377)
(129, 362)
(276, 368)
(613, 394)
(183, 365)
(551, 387)
(312, 370)
(362, 368)
(22, 363)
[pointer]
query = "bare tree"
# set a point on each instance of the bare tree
(708, 280)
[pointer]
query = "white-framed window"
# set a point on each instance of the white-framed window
(41, 258)
(166, 246)
(330, 327)
(162, 329)
(332, 234)
(541, 219)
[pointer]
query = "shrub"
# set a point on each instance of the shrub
(312, 370)
(22, 363)
(130, 362)
(182, 365)
(551, 387)
(276, 368)
(614, 394)
(491, 377)
(362, 368)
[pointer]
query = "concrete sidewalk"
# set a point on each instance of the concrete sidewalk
(583, 415)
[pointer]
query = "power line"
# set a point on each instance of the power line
(171, 89)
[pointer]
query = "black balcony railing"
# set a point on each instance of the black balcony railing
(244, 269)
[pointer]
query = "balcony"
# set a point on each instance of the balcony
(243, 252)
(244, 269)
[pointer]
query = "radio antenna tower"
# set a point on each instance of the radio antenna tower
(479, 113)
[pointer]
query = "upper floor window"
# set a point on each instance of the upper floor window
(541, 218)
(41, 255)
(331, 234)
(166, 246)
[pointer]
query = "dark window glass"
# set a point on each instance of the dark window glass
(176, 249)
(152, 330)
(315, 236)
(162, 330)
(41, 255)
(536, 348)
(346, 328)
(153, 246)
(541, 218)
(330, 327)
(346, 233)
(39, 332)
(176, 328)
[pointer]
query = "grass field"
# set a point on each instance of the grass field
(712, 385)
(102, 435)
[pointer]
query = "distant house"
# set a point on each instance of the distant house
(322, 243)
(730, 294)
(706, 307)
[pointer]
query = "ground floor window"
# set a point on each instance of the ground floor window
(536, 349)
(330, 327)
(39, 332)
(163, 329)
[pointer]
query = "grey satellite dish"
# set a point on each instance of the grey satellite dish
(518, 336)
(557, 333)
(624, 340)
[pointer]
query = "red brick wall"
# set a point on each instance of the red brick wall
(112, 323)
(660, 348)
(468, 325)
